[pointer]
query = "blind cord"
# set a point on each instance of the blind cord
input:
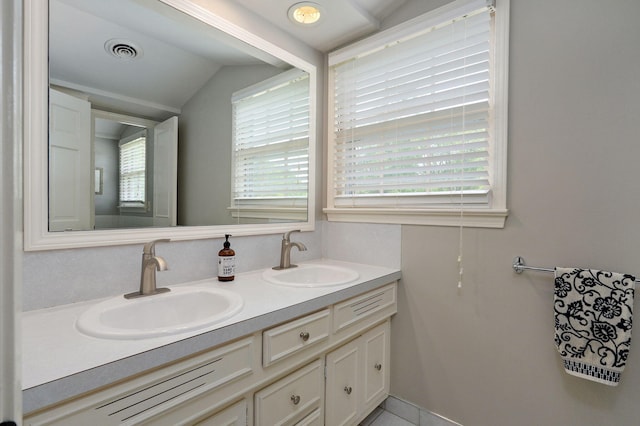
(464, 140)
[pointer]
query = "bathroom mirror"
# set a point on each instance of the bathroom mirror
(203, 181)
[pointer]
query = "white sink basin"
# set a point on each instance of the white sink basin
(311, 275)
(182, 309)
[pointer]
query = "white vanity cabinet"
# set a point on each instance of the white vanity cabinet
(357, 377)
(326, 367)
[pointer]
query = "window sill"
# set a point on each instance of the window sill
(494, 218)
(139, 209)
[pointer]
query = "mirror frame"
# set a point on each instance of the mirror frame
(35, 134)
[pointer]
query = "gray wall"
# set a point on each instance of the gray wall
(204, 158)
(485, 355)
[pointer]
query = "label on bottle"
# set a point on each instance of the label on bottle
(226, 266)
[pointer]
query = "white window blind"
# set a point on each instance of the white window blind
(133, 171)
(412, 117)
(271, 143)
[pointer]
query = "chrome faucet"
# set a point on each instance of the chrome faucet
(285, 251)
(150, 263)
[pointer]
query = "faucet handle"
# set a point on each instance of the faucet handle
(286, 235)
(150, 247)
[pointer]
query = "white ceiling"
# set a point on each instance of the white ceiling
(341, 21)
(179, 54)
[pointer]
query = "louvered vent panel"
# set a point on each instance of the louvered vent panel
(361, 307)
(145, 399)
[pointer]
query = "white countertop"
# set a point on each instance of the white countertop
(59, 362)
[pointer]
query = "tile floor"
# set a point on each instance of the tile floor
(396, 412)
(380, 417)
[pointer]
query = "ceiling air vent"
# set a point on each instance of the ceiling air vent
(123, 49)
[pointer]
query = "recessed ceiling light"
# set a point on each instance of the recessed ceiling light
(305, 13)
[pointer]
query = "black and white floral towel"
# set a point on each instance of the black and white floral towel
(593, 317)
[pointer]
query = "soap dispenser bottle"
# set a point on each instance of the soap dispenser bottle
(226, 262)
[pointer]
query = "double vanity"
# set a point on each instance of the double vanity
(305, 346)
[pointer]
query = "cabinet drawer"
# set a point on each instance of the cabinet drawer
(291, 398)
(289, 338)
(362, 307)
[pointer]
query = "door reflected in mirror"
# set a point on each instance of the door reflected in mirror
(138, 160)
(188, 126)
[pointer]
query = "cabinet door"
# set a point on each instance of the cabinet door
(342, 385)
(375, 365)
(235, 415)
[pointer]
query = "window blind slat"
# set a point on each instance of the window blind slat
(416, 146)
(414, 141)
(458, 162)
(267, 120)
(450, 185)
(273, 137)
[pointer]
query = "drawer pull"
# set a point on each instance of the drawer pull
(304, 335)
(295, 399)
(348, 390)
(378, 367)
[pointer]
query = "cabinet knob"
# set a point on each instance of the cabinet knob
(378, 367)
(348, 390)
(295, 399)
(304, 335)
